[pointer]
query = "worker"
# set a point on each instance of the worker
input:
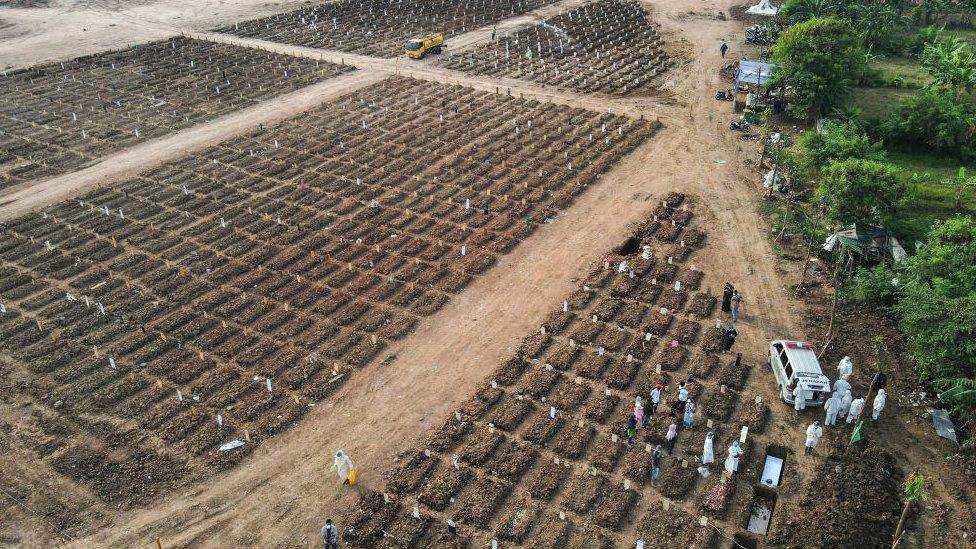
(799, 397)
(631, 429)
(833, 408)
(736, 301)
(672, 437)
(708, 452)
(689, 419)
(639, 413)
(729, 338)
(845, 368)
(727, 297)
(845, 404)
(814, 432)
(879, 381)
(343, 466)
(656, 463)
(723, 48)
(856, 406)
(840, 386)
(494, 32)
(330, 536)
(879, 404)
(732, 461)
(656, 396)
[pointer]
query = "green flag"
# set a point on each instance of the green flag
(856, 436)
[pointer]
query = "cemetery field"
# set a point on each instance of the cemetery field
(222, 296)
(379, 27)
(538, 455)
(606, 47)
(62, 116)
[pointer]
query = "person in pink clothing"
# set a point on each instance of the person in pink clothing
(639, 413)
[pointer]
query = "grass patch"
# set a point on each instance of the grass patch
(900, 72)
(878, 103)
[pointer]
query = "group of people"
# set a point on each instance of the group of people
(843, 403)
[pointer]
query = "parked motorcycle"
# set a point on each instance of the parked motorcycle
(760, 35)
(724, 95)
(740, 126)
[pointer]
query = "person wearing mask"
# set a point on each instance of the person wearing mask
(799, 397)
(814, 432)
(856, 406)
(708, 452)
(344, 467)
(631, 429)
(845, 404)
(330, 535)
(672, 437)
(689, 419)
(656, 393)
(639, 413)
(879, 404)
(732, 461)
(656, 463)
(832, 407)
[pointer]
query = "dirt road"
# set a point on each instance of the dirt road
(279, 496)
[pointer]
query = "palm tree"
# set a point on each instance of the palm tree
(797, 11)
(914, 490)
(876, 20)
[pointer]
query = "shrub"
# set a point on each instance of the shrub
(934, 119)
(840, 141)
(876, 287)
(860, 191)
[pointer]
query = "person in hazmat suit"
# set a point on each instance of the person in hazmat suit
(814, 432)
(344, 467)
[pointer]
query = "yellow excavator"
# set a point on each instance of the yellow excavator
(417, 48)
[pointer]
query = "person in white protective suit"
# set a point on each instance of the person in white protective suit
(814, 432)
(343, 466)
(856, 406)
(732, 461)
(879, 404)
(799, 398)
(833, 408)
(845, 404)
(845, 368)
(840, 386)
(708, 453)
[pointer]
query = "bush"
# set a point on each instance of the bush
(935, 120)
(840, 141)
(937, 310)
(821, 58)
(875, 287)
(860, 191)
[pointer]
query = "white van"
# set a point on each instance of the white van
(795, 362)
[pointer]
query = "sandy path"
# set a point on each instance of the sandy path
(280, 494)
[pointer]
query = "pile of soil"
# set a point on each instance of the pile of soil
(859, 505)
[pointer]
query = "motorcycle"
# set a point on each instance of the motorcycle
(724, 95)
(760, 35)
(740, 126)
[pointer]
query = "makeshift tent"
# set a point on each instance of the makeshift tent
(764, 7)
(866, 244)
(749, 76)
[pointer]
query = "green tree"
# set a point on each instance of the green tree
(951, 63)
(935, 119)
(860, 191)
(937, 310)
(798, 11)
(839, 141)
(914, 490)
(821, 58)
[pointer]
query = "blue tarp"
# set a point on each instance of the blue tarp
(753, 72)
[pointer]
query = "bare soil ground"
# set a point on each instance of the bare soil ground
(282, 492)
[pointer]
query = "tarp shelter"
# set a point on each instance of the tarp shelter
(866, 244)
(753, 73)
(764, 7)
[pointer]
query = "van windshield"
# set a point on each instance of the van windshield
(412, 45)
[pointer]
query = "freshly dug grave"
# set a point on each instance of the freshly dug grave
(413, 468)
(718, 405)
(672, 528)
(733, 375)
(753, 416)
(857, 506)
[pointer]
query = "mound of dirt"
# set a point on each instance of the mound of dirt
(857, 505)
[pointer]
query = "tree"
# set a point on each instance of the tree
(936, 119)
(798, 11)
(914, 490)
(840, 141)
(951, 63)
(879, 22)
(860, 191)
(937, 310)
(821, 58)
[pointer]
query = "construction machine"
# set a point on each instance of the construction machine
(417, 48)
